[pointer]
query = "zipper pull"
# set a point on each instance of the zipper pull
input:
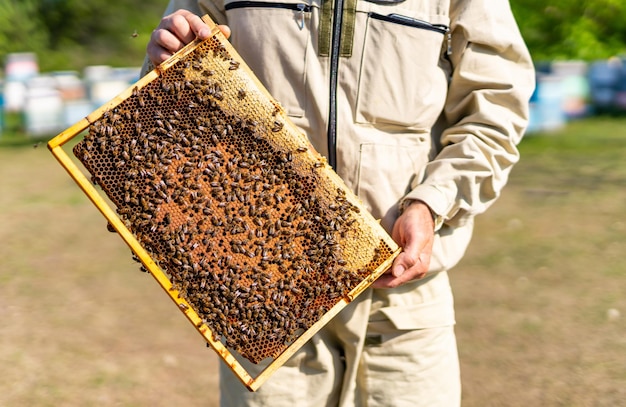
(449, 42)
(301, 7)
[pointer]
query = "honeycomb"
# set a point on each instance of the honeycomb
(232, 202)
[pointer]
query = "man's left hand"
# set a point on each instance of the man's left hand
(414, 232)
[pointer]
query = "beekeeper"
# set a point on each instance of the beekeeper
(418, 105)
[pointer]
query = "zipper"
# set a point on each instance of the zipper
(417, 23)
(301, 8)
(334, 73)
(334, 62)
(267, 4)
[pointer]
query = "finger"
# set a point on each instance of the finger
(391, 280)
(198, 27)
(384, 281)
(173, 33)
(408, 258)
(163, 44)
(388, 280)
(401, 264)
(407, 266)
(182, 26)
(225, 30)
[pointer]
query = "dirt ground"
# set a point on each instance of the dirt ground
(540, 298)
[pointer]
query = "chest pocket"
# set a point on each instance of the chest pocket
(257, 27)
(401, 80)
(386, 172)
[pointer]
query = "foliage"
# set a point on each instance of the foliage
(572, 29)
(71, 34)
(20, 28)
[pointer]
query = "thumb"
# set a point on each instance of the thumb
(405, 260)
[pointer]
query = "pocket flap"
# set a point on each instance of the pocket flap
(419, 316)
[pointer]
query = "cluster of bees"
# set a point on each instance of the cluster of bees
(235, 211)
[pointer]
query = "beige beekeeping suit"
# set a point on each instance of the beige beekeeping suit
(424, 100)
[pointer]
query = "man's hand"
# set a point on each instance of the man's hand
(174, 32)
(414, 232)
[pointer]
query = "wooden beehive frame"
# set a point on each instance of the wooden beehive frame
(147, 258)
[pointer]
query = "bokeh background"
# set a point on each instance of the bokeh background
(540, 295)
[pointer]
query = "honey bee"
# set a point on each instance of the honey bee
(277, 126)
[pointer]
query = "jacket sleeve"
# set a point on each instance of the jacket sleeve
(486, 111)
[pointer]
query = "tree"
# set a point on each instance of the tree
(572, 29)
(71, 34)
(20, 28)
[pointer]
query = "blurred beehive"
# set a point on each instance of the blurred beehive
(226, 203)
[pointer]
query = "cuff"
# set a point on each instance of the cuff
(436, 199)
(437, 219)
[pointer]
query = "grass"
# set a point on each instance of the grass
(537, 292)
(81, 325)
(537, 295)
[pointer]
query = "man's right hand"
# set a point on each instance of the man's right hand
(174, 32)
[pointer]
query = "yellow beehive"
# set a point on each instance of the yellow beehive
(227, 205)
